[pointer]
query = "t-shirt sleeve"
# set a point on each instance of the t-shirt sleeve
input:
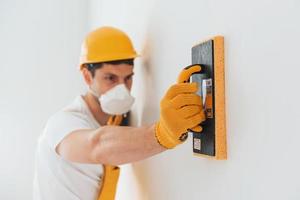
(63, 123)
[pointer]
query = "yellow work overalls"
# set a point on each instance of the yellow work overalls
(111, 173)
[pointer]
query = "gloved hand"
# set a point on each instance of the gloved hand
(180, 110)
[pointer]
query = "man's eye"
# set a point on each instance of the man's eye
(128, 78)
(110, 78)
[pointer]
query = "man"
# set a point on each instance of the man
(78, 152)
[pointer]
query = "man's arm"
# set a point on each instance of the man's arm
(113, 145)
(180, 110)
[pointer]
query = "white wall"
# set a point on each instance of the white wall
(40, 44)
(262, 69)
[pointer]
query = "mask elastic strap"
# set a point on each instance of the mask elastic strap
(95, 94)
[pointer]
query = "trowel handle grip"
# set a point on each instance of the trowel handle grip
(184, 76)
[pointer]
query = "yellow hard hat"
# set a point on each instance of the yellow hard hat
(106, 44)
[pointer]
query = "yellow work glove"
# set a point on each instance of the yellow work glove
(180, 110)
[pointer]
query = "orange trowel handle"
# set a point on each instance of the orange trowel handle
(184, 76)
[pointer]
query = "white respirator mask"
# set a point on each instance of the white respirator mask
(116, 101)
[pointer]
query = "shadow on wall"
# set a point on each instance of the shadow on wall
(149, 114)
(150, 108)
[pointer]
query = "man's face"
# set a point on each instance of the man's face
(108, 76)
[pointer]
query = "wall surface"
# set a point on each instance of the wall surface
(40, 43)
(262, 69)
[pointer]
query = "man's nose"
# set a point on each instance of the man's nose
(121, 81)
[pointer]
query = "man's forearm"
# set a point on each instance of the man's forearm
(116, 145)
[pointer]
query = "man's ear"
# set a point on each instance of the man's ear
(87, 75)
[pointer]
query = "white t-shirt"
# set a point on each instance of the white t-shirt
(55, 177)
